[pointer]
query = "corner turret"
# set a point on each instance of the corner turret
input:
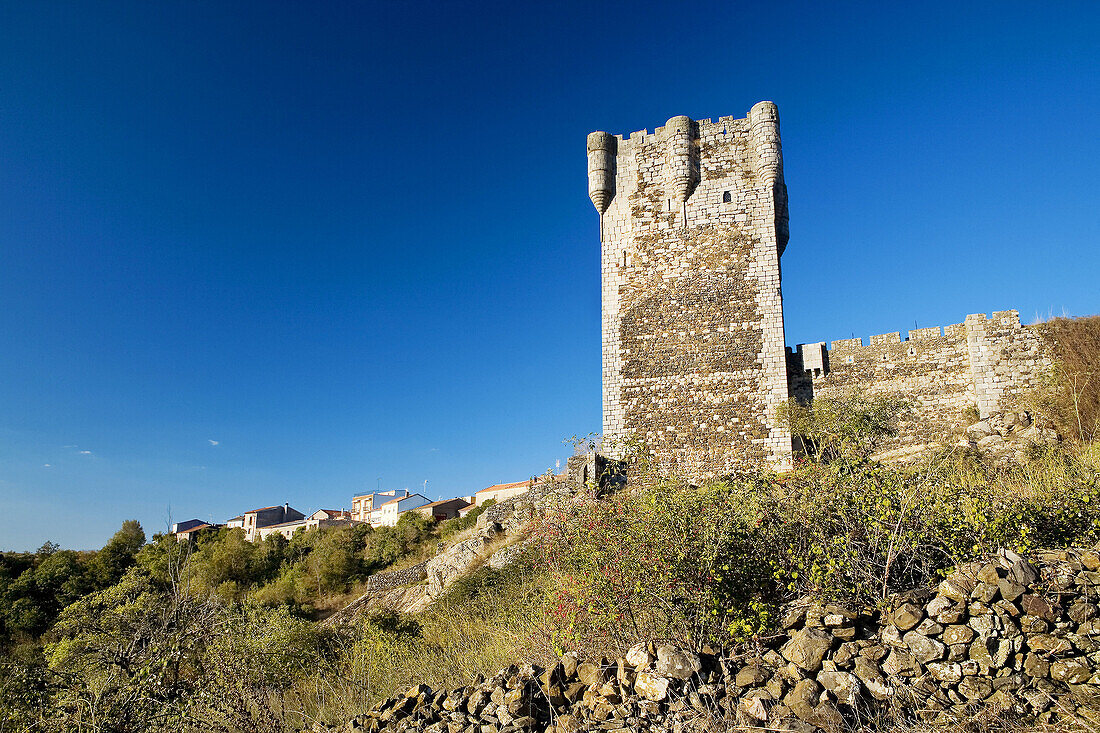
(602, 148)
(768, 163)
(682, 160)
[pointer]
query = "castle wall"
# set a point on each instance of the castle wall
(693, 222)
(983, 363)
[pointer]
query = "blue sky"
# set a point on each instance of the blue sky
(263, 252)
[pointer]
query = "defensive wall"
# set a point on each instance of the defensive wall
(983, 363)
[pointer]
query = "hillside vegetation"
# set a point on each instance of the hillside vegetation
(221, 635)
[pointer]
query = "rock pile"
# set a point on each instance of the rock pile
(1007, 432)
(1019, 635)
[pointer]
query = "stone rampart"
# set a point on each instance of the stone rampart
(395, 578)
(983, 364)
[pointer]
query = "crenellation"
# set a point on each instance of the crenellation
(886, 338)
(983, 363)
(921, 334)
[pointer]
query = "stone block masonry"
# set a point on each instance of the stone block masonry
(983, 364)
(693, 220)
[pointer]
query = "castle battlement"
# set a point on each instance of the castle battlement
(985, 362)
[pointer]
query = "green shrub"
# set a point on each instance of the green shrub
(710, 564)
(847, 426)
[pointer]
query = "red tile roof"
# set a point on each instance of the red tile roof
(502, 487)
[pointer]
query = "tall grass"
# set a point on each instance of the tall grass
(1070, 397)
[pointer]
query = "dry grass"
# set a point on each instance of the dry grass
(1071, 397)
(488, 620)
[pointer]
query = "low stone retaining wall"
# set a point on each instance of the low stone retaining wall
(1017, 635)
(394, 578)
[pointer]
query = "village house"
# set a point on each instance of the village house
(185, 531)
(443, 509)
(394, 508)
(320, 518)
(266, 517)
(365, 506)
(500, 492)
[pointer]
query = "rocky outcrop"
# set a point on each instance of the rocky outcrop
(1019, 635)
(1008, 434)
(498, 541)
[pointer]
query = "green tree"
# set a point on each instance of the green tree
(119, 554)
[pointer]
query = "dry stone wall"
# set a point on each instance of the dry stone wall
(693, 221)
(1012, 636)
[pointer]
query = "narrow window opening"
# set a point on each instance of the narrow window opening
(726, 198)
(624, 259)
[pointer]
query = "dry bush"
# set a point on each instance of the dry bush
(1070, 397)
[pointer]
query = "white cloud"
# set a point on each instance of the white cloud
(85, 452)
(213, 442)
(45, 465)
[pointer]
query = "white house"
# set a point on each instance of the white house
(500, 492)
(394, 508)
(364, 505)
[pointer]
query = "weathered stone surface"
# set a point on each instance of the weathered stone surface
(958, 585)
(807, 648)
(1071, 671)
(1049, 643)
(803, 700)
(651, 686)
(957, 634)
(677, 663)
(639, 657)
(924, 649)
(1033, 605)
(975, 688)
(752, 675)
(842, 684)
(906, 616)
(945, 672)
(899, 663)
(754, 708)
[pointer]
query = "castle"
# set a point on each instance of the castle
(693, 222)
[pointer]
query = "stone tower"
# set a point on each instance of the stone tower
(693, 220)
